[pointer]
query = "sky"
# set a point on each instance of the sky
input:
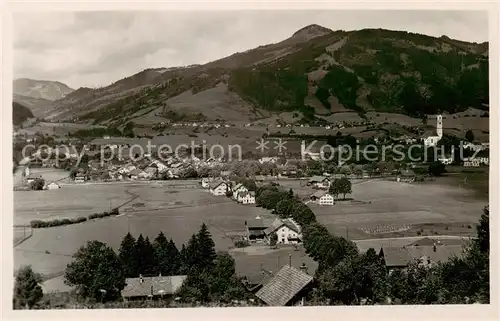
(93, 49)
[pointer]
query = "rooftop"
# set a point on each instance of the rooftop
(152, 285)
(283, 286)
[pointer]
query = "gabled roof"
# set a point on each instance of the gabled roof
(239, 185)
(277, 223)
(284, 286)
(216, 184)
(319, 193)
(317, 179)
(259, 223)
(152, 285)
(401, 256)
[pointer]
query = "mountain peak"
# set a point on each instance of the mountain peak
(46, 89)
(310, 31)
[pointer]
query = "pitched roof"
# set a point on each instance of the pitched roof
(283, 286)
(317, 179)
(290, 223)
(215, 184)
(152, 285)
(319, 193)
(276, 224)
(239, 185)
(259, 223)
(401, 256)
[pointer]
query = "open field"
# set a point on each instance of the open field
(428, 208)
(178, 212)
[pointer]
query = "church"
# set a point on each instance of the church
(433, 140)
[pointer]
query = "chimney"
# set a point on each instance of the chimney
(290, 260)
(303, 268)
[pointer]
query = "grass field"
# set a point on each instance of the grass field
(178, 212)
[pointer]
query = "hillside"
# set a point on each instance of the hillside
(316, 72)
(44, 89)
(20, 113)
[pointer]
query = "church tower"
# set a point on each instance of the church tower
(439, 126)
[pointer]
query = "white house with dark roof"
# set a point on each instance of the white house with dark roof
(322, 197)
(287, 230)
(219, 188)
(321, 182)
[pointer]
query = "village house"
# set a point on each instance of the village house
(219, 188)
(205, 182)
(426, 252)
(255, 229)
(245, 197)
(272, 160)
(51, 186)
(407, 176)
(157, 287)
(287, 230)
(32, 177)
(322, 198)
(288, 287)
(321, 182)
(80, 178)
(134, 174)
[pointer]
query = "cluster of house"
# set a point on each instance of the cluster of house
(30, 177)
(219, 187)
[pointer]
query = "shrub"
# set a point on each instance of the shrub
(241, 243)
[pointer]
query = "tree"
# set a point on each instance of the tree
(175, 261)
(437, 169)
(129, 257)
(162, 254)
(284, 207)
(27, 289)
(483, 231)
(37, 184)
(469, 135)
(273, 240)
(206, 248)
(146, 257)
(96, 267)
(341, 186)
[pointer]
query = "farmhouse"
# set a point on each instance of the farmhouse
(287, 230)
(255, 229)
(322, 198)
(32, 177)
(288, 287)
(421, 252)
(319, 182)
(51, 186)
(79, 178)
(407, 176)
(152, 287)
(246, 197)
(219, 188)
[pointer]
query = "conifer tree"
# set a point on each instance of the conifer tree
(27, 289)
(162, 254)
(206, 248)
(128, 256)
